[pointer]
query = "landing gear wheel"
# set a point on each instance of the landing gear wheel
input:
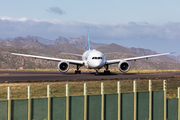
(77, 72)
(106, 72)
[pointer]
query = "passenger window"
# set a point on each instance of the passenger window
(93, 58)
(99, 57)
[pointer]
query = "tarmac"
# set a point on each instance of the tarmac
(36, 76)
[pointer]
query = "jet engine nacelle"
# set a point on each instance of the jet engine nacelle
(63, 66)
(124, 66)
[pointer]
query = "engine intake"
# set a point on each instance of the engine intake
(63, 66)
(124, 66)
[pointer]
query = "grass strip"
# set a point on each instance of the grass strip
(39, 89)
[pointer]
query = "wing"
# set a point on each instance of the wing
(134, 58)
(50, 58)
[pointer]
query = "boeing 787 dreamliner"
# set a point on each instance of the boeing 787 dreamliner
(91, 59)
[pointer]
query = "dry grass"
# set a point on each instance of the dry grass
(39, 90)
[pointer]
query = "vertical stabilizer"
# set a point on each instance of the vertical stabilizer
(88, 38)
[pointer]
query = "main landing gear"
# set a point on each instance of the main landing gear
(77, 71)
(106, 72)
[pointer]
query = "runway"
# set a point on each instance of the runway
(28, 76)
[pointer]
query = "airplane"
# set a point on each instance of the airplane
(91, 59)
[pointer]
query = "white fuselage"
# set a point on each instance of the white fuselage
(93, 59)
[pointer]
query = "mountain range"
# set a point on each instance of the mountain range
(32, 40)
(54, 48)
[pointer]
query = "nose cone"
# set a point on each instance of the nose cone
(96, 64)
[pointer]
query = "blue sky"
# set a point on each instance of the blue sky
(147, 24)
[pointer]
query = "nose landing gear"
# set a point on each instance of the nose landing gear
(96, 73)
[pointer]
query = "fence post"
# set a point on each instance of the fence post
(135, 98)
(178, 103)
(49, 101)
(67, 101)
(119, 99)
(150, 100)
(9, 103)
(165, 91)
(102, 101)
(29, 102)
(85, 101)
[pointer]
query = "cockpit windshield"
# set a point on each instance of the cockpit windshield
(96, 57)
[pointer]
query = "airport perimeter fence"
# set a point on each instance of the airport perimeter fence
(150, 105)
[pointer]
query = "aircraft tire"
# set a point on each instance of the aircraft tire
(77, 72)
(106, 72)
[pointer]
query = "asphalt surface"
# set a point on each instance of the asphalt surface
(24, 76)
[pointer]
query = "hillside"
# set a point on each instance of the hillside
(69, 48)
(41, 40)
(18, 42)
(117, 49)
(2, 42)
(36, 45)
(176, 58)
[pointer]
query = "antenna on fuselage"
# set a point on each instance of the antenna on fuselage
(88, 38)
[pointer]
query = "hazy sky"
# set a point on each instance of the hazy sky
(153, 24)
